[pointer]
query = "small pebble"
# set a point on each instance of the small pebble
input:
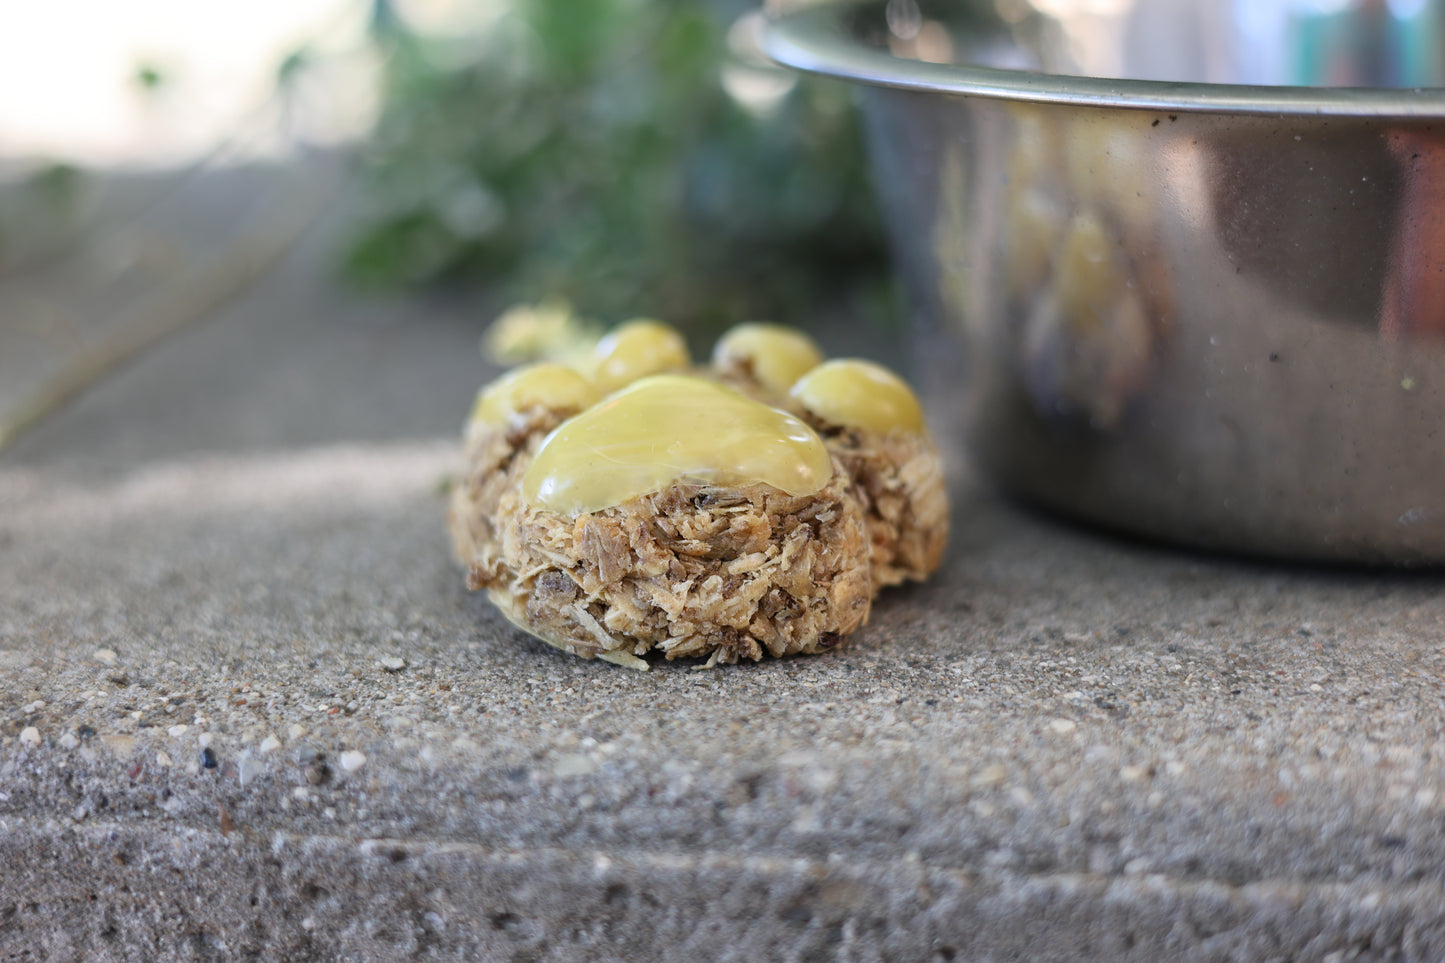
(991, 775)
(177, 731)
(393, 663)
(1063, 726)
(249, 770)
(121, 745)
(69, 741)
(203, 740)
(105, 656)
(163, 759)
(351, 760)
(208, 758)
(270, 744)
(30, 736)
(573, 765)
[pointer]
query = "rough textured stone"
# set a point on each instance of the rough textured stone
(1063, 747)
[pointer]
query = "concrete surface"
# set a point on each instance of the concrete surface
(247, 711)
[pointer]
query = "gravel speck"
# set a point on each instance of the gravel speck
(270, 744)
(393, 663)
(351, 760)
(991, 776)
(30, 736)
(249, 770)
(573, 765)
(105, 656)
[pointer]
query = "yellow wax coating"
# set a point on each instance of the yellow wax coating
(777, 355)
(547, 385)
(549, 331)
(859, 394)
(636, 349)
(670, 429)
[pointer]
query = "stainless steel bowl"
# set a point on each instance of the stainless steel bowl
(1207, 312)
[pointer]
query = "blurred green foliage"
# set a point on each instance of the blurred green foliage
(149, 76)
(589, 150)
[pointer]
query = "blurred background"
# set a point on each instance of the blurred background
(630, 157)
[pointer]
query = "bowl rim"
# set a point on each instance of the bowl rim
(815, 40)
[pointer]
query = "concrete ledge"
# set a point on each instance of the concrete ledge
(1064, 748)
(242, 688)
(125, 894)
